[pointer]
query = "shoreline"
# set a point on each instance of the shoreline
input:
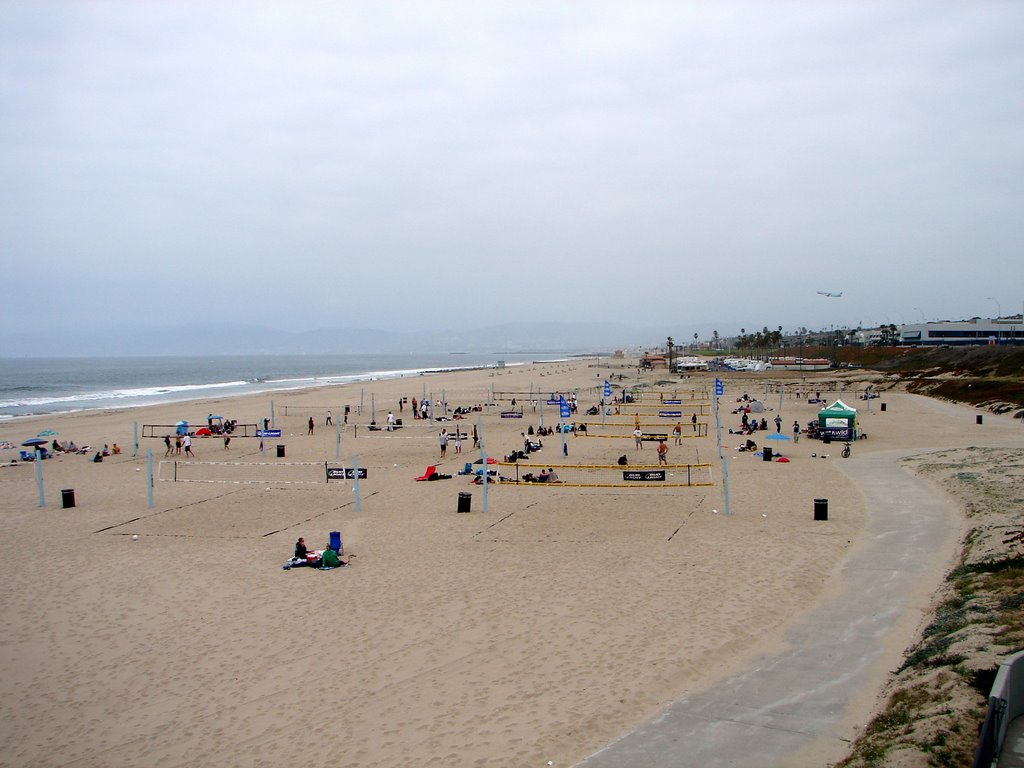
(155, 394)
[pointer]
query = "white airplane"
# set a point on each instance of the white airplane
(830, 295)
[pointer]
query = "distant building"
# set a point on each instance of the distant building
(653, 361)
(976, 331)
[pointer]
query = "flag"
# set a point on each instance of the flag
(607, 388)
(563, 408)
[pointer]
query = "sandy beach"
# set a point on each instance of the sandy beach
(539, 630)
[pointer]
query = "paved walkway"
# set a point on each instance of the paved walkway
(786, 709)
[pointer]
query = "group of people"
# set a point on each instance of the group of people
(545, 476)
(181, 442)
(329, 558)
(69, 447)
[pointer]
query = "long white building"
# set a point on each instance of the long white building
(1002, 330)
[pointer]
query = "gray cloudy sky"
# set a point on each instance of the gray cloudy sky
(433, 164)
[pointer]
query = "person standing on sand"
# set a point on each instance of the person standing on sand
(662, 453)
(638, 435)
(330, 420)
(476, 438)
(693, 421)
(186, 441)
(442, 440)
(458, 441)
(310, 432)
(167, 442)
(796, 431)
(778, 423)
(177, 445)
(677, 433)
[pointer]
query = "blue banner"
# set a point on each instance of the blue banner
(563, 408)
(268, 433)
(719, 389)
(607, 388)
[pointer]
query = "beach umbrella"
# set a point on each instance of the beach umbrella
(34, 441)
(777, 436)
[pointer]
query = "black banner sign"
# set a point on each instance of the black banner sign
(642, 475)
(345, 473)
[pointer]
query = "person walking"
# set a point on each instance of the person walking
(796, 431)
(677, 433)
(693, 421)
(330, 420)
(442, 440)
(778, 422)
(167, 442)
(186, 442)
(310, 432)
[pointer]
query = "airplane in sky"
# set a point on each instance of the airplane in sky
(830, 294)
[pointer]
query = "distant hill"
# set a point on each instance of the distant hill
(541, 337)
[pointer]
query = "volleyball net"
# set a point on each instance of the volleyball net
(243, 472)
(607, 475)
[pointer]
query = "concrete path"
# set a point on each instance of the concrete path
(787, 708)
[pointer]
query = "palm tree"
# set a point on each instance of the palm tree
(670, 344)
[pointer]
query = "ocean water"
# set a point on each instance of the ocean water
(56, 385)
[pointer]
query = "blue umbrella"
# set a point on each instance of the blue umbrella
(777, 436)
(34, 441)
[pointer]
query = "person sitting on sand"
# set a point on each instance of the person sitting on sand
(300, 549)
(330, 559)
(115, 449)
(552, 476)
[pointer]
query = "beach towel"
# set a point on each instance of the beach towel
(431, 470)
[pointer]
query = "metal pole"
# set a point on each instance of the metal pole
(725, 463)
(362, 392)
(149, 474)
(272, 424)
(373, 409)
(337, 440)
(39, 476)
(135, 439)
(483, 456)
(355, 482)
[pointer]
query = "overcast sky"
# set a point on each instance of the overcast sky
(433, 164)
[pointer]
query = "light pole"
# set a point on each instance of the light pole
(999, 308)
(922, 314)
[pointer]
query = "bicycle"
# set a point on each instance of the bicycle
(846, 451)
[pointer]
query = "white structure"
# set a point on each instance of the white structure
(978, 331)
